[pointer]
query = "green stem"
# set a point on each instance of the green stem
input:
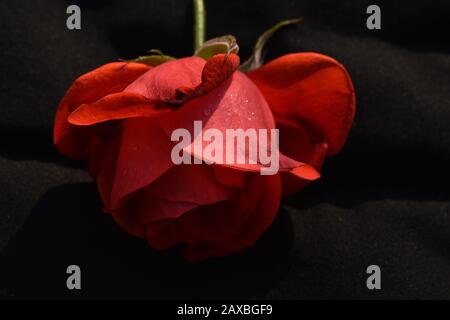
(199, 23)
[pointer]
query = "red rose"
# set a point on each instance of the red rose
(120, 116)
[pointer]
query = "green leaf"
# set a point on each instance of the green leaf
(255, 60)
(156, 57)
(225, 44)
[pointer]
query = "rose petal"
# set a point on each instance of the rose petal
(215, 222)
(107, 169)
(303, 148)
(263, 214)
(235, 104)
(292, 183)
(160, 236)
(312, 90)
(191, 183)
(229, 177)
(217, 69)
(152, 208)
(181, 80)
(144, 156)
(250, 230)
(115, 106)
(126, 216)
(109, 78)
(220, 221)
(161, 83)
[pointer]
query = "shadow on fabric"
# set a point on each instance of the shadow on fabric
(67, 227)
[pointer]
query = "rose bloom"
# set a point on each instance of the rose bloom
(119, 118)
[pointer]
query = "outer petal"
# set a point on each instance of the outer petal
(152, 208)
(143, 157)
(106, 156)
(220, 222)
(160, 235)
(109, 78)
(312, 90)
(229, 176)
(313, 101)
(303, 148)
(222, 228)
(116, 106)
(191, 183)
(127, 217)
(250, 230)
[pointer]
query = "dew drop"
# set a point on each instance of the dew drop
(207, 112)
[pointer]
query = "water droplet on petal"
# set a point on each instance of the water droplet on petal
(207, 112)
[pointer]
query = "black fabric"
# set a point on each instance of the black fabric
(383, 200)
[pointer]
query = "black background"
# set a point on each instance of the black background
(383, 200)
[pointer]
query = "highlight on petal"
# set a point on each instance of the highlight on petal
(298, 169)
(286, 165)
(107, 79)
(306, 172)
(116, 106)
